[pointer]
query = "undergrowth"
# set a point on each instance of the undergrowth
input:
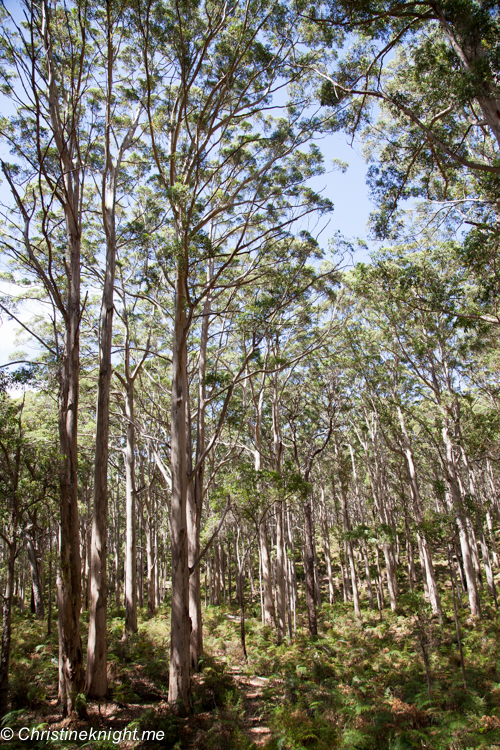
(356, 686)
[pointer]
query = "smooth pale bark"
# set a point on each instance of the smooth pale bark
(461, 523)
(117, 545)
(369, 587)
(49, 607)
(86, 542)
(380, 587)
(491, 535)
(427, 562)
(317, 587)
(140, 552)
(309, 568)
(179, 691)
(488, 567)
(269, 614)
(469, 50)
(378, 492)
(266, 583)
(290, 598)
(349, 549)
(130, 593)
(280, 572)
(485, 552)
(217, 586)
(326, 547)
(292, 569)
(463, 583)
(409, 555)
(229, 575)
(195, 497)
(150, 553)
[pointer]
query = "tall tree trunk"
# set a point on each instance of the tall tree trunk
(269, 613)
(309, 568)
(462, 525)
(326, 547)
(349, 548)
(371, 603)
(216, 575)
(130, 513)
(7, 629)
(70, 191)
(117, 546)
(69, 579)
(140, 553)
(292, 568)
(96, 684)
(195, 503)
(430, 583)
(179, 691)
(280, 571)
(150, 554)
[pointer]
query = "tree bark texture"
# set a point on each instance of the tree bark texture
(179, 691)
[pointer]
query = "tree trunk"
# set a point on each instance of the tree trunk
(462, 525)
(371, 603)
(7, 629)
(130, 593)
(69, 579)
(269, 614)
(326, 547)
(117, 548)
(179, 691)
(96, 684)
(280, 571)
(309, 568)
(430, 584)
(350, 552)
(150, 555)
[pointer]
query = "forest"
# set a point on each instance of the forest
(249, 488)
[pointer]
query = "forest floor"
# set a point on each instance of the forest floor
(356, 686)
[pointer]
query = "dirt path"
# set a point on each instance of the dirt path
(255, 722)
